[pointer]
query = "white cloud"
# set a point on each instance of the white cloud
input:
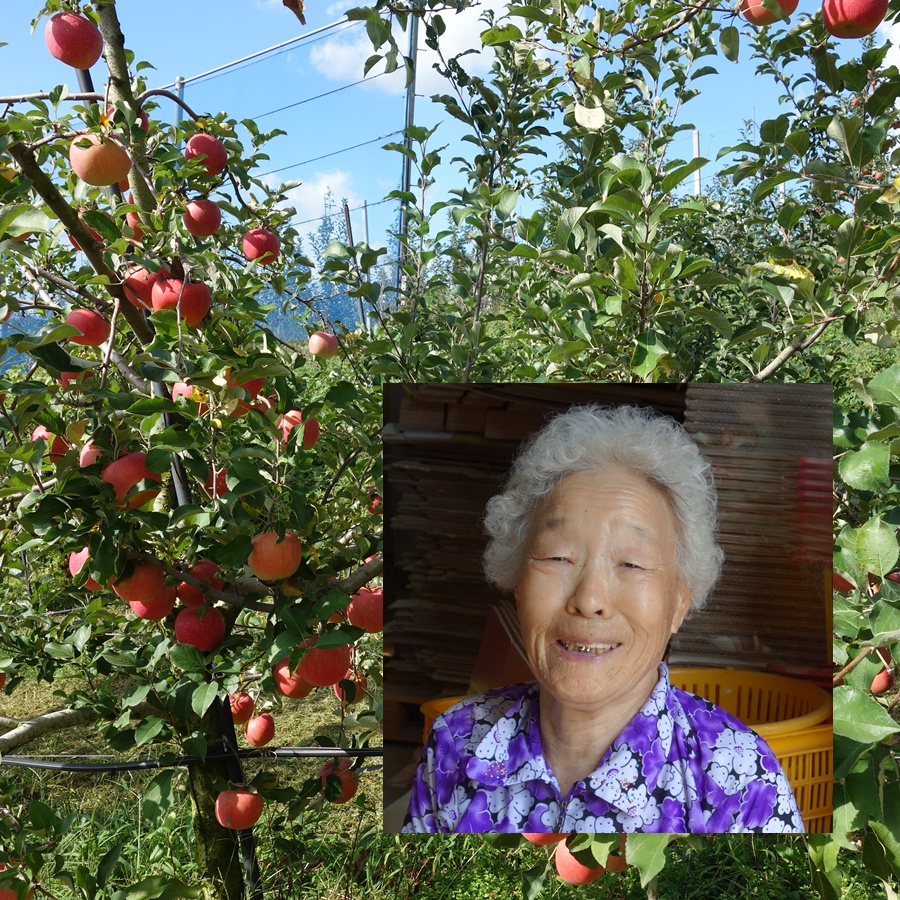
(891, 33)
(342, 57)
(309, 197)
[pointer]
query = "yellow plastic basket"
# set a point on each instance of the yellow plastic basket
(792, 716)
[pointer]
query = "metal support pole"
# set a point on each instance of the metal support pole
(359, 303)
(407, 140)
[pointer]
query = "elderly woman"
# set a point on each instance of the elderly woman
(605, 533)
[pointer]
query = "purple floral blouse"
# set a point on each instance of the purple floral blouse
(682, 765)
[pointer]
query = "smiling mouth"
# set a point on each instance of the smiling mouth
(596, 649)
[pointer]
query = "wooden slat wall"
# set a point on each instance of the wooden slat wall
(447, 451)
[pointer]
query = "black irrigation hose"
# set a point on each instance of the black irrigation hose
(288, 752)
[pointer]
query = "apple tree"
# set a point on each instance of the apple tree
(187, 499)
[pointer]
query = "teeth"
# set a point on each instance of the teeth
(588, 648)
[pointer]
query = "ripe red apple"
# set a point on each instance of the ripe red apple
(202, 570)
(288, 422)
(882, 682)
(756, 14)
(89, 454)
(216, 483)
(323, 344)
(93, 327)
(571, 871)
(542, 839)
(93, 232)
(324, 667)
(194, 296)
(262, 245)
(241, 707)
(310, 433)
(260, 730)
(125, 472)
(238, 809)
(57, 444)
(288, 684)
(146, 582)
(202, 217)
(98, 160)
(210, 147)
(72, 381)
(349, 779)
(271, 559)
(853, 18)
(138, 284)
(133, 221)
(154, 608)
(77, 561)
(201, 628)
(359, 685)
(74, 40)
(366, 609)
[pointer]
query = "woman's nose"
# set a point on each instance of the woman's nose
(591, 593)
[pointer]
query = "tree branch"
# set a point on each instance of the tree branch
(792, 348)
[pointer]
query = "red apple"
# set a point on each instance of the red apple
(57, 444)
(262, 245)
(241, 707)
(840, 584)
(853, 18)
(72, 381)
(146, 582)
(125, 472)
(310, 433)
(882, 682)
(77, 561)
(74, 40)
(202, 217)
(359, 685)
(133, 221)
(201, 628)
(203, 570)
(324, 667)
(271, 559)
(323, 344)
(542, 839)
(93, 327)
(571, 871)
(98, 160)
(287, 422)
(238, 809)
(756, 14)
(366, 609)
(348, 778)
(260, 730)
(210, 147)
(194, 297)
(138, 284)
(290, 685)
(89, 454)
(154, 608)
(216, 484)
(93, 232)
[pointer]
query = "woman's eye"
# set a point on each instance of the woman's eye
(629, 565)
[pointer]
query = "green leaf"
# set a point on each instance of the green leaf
(102, 224)
(591, 118)
(159, 887)
(533, 880)
(867, 469)
(716, 318)
(148, 730)
(730, 42)
(651, 348)
(861, 717)
(647, 852)
(674, 177)
(876, 547)
(501, 34)
(345, 634)
(884, 388)
(203, 698)
(159, 797)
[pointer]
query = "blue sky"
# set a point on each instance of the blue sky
(283, 90)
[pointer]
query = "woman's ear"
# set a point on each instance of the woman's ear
(682, 605)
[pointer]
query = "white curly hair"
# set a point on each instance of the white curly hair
(593, 437)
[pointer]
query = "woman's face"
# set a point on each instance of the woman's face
(599, 595)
